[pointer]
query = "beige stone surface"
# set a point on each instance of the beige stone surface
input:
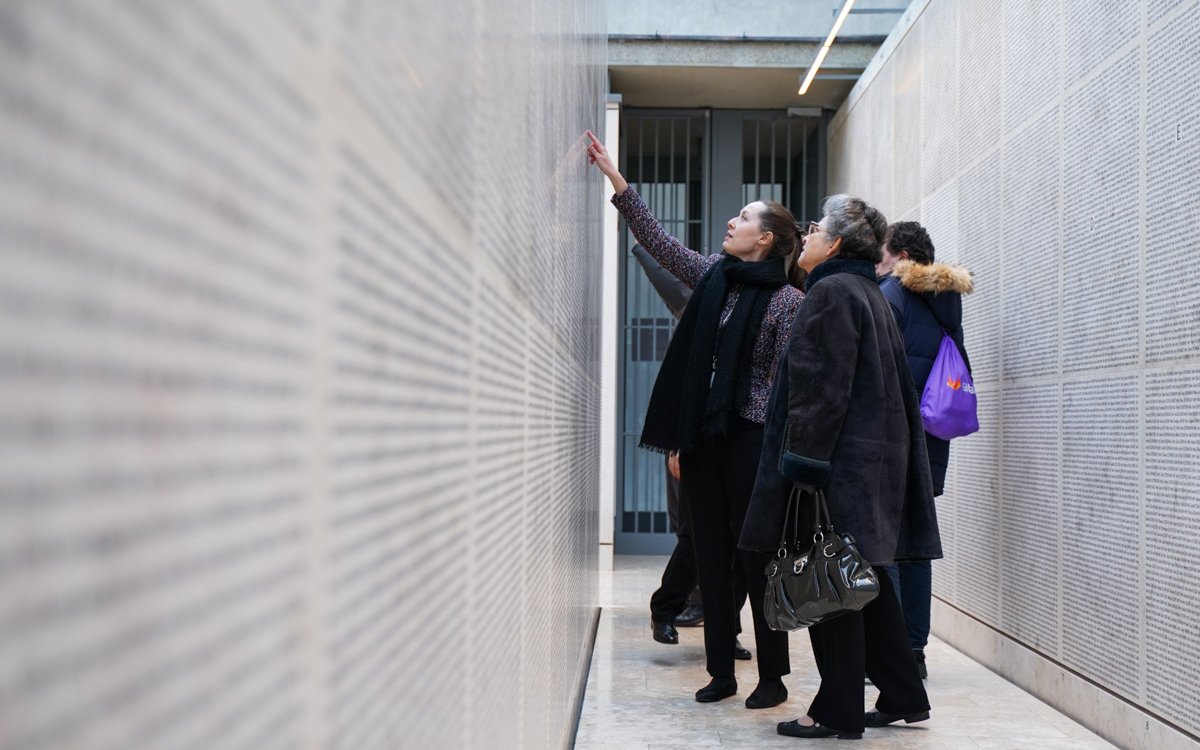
(640, 693)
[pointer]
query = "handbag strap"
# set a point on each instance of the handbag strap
(822, 522)
(929, 307)
(793, 503)
(962, 351)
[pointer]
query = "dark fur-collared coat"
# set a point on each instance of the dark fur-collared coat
(927, 299)
(850, 422)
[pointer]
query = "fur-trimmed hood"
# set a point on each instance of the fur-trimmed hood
(935, 277)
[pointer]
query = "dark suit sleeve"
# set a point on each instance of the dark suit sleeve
(675, 294)
(821, 366)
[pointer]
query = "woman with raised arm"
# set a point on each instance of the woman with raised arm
(709, 402)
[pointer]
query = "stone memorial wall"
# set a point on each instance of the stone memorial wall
(298, 372)
(1053, 148)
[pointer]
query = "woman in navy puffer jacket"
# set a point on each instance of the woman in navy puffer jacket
(926, 298)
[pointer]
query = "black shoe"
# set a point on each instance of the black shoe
(919, 655)
(664, 632)
(882, 718)
(816, 731)
(691, 617)
(740, 651)
(768, 694)
(718, 689)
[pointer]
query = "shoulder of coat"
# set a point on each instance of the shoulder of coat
(789, 295)
(850, 293)
(935, 277)
(785, 303)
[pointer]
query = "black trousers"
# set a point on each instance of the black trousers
(678, 588)
(675, 514)
(874, 642)
(717, 481)
(678, 582)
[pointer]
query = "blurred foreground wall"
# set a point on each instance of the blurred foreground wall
(298, 372)
(1053, 148)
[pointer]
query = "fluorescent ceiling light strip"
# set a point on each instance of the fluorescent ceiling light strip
(821, 53)
(812, 69)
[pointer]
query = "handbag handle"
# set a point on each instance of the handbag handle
(820, 512)
(793, 502)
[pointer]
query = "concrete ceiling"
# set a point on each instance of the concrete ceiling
(723, 88)
(732, 73)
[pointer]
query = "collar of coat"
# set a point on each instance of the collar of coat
(934, 277)
(863, 268)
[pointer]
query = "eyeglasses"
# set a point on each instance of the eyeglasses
(814, 227)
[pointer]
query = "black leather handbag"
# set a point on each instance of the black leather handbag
(811, 584)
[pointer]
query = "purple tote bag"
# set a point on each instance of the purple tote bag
(948, 403)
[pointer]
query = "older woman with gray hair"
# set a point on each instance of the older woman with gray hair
(845, 418)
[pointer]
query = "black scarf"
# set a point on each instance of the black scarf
(864, 268)
(690, 399)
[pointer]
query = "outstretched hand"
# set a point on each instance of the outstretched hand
(598, 155)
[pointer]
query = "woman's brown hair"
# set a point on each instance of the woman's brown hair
(779, 221)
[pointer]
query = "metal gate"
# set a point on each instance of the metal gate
(695, 169)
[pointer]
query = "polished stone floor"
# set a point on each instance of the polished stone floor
(639, 692)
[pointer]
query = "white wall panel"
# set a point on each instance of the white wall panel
(1100, 189)
(1158, 9)
(299, 376)
(1171, 528)
(1075, 202)
(979, 564)
(1100, 433)
(1032, 30)
(1031, 335)
(980, 34)
(939, 216)
(1172, 190)
(981, 243)
(1095, 29)
(1029, 519)
(878, 129)
(945, 576)
(906, 119)
(939, 123)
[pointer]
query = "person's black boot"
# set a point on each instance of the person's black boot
(664, 632)
(691, 617)
(882, 718)
(740, 651)
(718, 689)
(768, 694)
(919, 655)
